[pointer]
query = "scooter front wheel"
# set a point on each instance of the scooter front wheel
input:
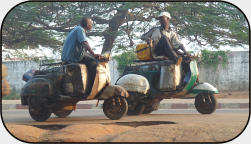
(115, 108)
(205, 103)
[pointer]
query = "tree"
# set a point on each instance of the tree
(213, 23)
(120, 23)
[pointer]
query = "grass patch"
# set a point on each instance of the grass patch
(14, 95)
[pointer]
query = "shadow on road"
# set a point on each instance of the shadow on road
(50, 127)
(140, 123)
(131, 124)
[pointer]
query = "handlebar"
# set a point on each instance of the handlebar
(104, 57)
(191, 56)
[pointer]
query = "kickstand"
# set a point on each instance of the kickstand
(97, 103)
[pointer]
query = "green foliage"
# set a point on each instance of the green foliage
(210, 23)
(25, 26)
(14, 95)
(125, 59)
(214, 58)
(47, 23)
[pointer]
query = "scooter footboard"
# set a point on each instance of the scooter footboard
(204, 87)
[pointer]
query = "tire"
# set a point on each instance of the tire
(135, 107)
(150, 108)
(205, 103)
(137, 111)
(115, 108)
(62, 113)
(38, 111)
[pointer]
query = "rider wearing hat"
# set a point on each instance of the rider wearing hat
(165, 43)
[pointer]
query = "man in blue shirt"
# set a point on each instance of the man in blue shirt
(76, 45)
(77, 49)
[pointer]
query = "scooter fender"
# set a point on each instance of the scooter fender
(113, 91)
(39, 87)
(204, 88)
(134, 83)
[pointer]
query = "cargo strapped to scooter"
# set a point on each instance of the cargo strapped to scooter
(51, 64)
(143, 52)
(153, 62)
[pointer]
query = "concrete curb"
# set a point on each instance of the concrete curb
(165, 104)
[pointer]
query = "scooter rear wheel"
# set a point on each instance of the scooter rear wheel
(115, 108)
(205, 103)
(152, 107)
(62, 113)
(38, 111)
(138, 110)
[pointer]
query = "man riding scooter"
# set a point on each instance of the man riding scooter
(150, 81)
(76, 48)
(165, 43)
(58, 87)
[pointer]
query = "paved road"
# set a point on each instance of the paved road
(22, 116)
(162, 125)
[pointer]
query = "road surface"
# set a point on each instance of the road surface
(161, 126)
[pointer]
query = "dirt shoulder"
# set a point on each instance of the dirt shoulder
(144, 128)
(26, 133)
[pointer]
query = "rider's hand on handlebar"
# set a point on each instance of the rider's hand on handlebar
(100, 57)
(149, 41)
(97, 56)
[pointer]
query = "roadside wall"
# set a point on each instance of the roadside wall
(16, 69)
(233, 77)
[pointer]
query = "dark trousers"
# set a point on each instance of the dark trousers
(91, 64)
(164, 48)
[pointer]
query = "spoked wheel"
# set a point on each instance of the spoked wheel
(38, 111)
(205, 103)
(139, 109)
(62, 113)
(115, 108)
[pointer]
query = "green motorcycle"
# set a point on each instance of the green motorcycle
(149, 82)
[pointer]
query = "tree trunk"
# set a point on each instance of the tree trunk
(111, 32)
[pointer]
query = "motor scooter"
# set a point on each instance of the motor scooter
(58, 87)
(149, 82)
